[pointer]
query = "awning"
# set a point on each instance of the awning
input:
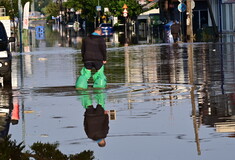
(149, 5)
(146, 14)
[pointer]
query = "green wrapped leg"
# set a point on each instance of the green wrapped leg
(100, 97)
(86, 101)
(85, 98)
(81, 82)
(99, 78)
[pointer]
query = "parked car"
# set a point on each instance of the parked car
(107, 29)
(5, 56)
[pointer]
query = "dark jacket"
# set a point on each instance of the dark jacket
(96, 124)
(93, 48)
(175, 28)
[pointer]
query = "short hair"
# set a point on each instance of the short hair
(103, 144)
(98, 29)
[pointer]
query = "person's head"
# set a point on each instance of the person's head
(98, 30)
(101, 142)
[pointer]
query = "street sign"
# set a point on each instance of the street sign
(40, 32)
(98, 8)
(125, 10)
(182, 7)
(124, 6)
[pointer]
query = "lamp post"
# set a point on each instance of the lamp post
(98, 9)
(125, 13)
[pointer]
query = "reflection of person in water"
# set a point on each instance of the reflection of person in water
(96, 119)
(96, 124)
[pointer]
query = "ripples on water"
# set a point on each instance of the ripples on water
(150, 88)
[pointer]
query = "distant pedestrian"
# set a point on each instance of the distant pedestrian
(175, 31)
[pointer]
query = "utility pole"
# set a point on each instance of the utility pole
(189, 21)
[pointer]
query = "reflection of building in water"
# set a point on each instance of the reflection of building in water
(218, 111)
(155, 64)
(215, 64)
(216, 97)
(42, 35)
(141, 67)
(225, 126)
(152, 66)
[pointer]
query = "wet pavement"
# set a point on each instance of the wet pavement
(171, 101)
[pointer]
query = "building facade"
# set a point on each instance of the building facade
(222, 11)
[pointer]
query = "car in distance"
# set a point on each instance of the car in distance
(5, 57)
(107, 29)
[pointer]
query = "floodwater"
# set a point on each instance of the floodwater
(171, 101)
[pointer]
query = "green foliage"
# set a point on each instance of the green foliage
(12, 7)
(40, 151)
(41, 4)
(88, 7)
(10, 150)
(115, 7)
(52, 9)
(85, 155)
(47, 151)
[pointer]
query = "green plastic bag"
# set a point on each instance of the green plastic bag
(81, 82)
(100, 97)
(86, 98)
(99, 78)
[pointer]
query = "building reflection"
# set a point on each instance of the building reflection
(41, 35)
(218, 111)
(209, 70)
(216, 95)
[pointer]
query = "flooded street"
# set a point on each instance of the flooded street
(171, 101)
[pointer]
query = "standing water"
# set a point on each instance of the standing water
(172, 101)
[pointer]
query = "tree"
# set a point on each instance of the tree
(12, 7)
(39, 151)
(52, 9)
(134, 9)
(41, 4)
(89, 7)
